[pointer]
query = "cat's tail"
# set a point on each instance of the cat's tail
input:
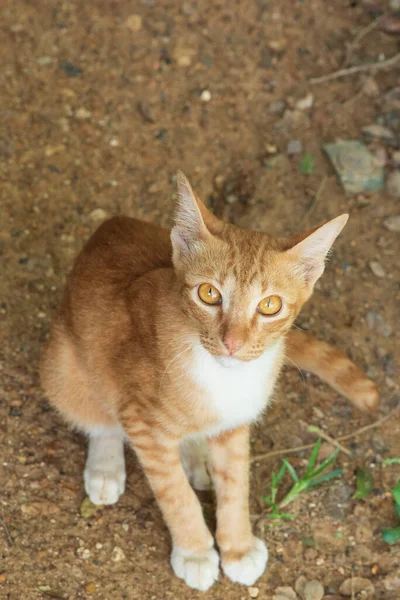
(333, 367)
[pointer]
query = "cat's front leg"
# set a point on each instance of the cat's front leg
(243, 556)
(193, 557)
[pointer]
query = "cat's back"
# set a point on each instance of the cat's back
(123, 247)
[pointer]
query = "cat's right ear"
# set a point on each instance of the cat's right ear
(193, 222)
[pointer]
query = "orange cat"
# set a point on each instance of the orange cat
(173, 342)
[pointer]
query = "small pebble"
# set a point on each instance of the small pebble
(134, 23)
(82, 114)
(253, 592)
(392, 223)
(353, 585)
(313, 590)
(393, 184)
(90, 588)
(377, 269)
(306, 102)
(117, 554)
(205, 96)
(3, 579)
(85, 554)
(294, 147)
(44, 60)
(300, 585)
(285, 592)
(378, 132)
(98, 214)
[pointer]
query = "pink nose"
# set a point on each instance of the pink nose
(232, 345)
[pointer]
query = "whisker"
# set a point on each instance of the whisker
(297, 367)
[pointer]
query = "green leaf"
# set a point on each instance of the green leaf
(327, 462)
(392, 461)
(396, 493)
(326, 477)
(280, 515)
(313, 457)
(391, 536)
(364, 484)
(308, 541)
(307, 165)
(290, 469)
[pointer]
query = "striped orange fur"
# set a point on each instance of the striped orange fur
(136, 355)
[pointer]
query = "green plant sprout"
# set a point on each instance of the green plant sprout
(391, 536)
(392, 461)
(312, 477)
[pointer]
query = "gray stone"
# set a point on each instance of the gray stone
(392, 223)
(294, 147)
(379, 132)
(393, 184)
(377, 324)
(377, 269)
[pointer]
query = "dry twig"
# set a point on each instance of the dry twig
(383, 64)
(360, 35)
(342, 438)
(321, 433)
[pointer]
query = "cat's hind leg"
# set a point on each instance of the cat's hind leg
(104, 473)
(194, 457)
(70, 390)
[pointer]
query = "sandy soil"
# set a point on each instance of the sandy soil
(98, 110)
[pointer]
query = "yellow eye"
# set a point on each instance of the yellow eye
(270, 306)
(209, 294)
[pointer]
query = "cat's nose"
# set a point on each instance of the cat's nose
(232, 344)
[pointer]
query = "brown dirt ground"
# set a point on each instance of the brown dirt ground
(73, 140)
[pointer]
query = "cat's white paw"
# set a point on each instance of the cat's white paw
(104, 487)
(250, 567)
(199, 571)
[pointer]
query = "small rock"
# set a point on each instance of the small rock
(353, 585)
(285, 592)
(392, 583)
(70, 69)
(355, 166)
(253, 592)
(377, 324)
(277, 45)
(371, 88)
(44, 60)
(337, 500)
(300, 585)
(134, 23)
(85, 555)
(98, 214)
(313, 590)
(51, 150)
(183, 56)
(205, 96)
(306, 102)
(3, 579)
(82, 114)
(379, 132)
(146, 111)
(392, 223)
(277, 107)
(90, 588)
(117, 554)
(394, 4)
(377, 269)
(393, 184)
(294, 147)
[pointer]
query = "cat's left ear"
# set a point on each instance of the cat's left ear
(310, 253)
(194, 223)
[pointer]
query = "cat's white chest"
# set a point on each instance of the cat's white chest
(237, 394)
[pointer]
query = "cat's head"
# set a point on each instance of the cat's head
(243, 289)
